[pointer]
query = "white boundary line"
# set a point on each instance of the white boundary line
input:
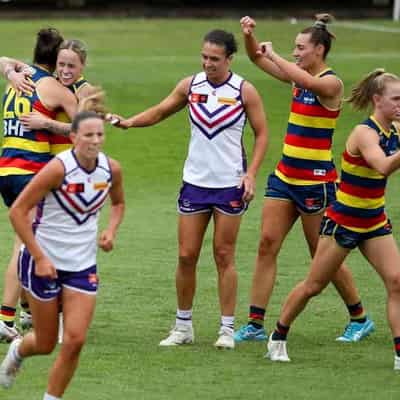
(190, 59)
(367, 27)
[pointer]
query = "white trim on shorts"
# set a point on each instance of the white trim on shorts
(91, 293)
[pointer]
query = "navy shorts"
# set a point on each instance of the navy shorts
(350, 239)
(194, 200)
(12, 185)
(44, 289)
(309, 199)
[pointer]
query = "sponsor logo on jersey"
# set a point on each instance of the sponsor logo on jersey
(75, 187)
(198, 98)
(227, 100)
(100, 185)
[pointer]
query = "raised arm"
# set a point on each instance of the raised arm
(174, 102)
(107, 237)
(256, 115)
(327, 87)
(364, 140)
(50, 177)
(254, 51)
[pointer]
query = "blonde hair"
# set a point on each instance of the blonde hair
(93, 101)
(373, 83)
(77, 47)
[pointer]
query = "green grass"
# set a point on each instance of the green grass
(138, 62)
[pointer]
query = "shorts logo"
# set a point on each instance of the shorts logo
(198, 98)
(313, 203)
(235, 203)
(93, 279)
(75, 187)
(387, 226)
(51, 287)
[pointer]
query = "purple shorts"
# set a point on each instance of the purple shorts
(194, 200)
(44, 289)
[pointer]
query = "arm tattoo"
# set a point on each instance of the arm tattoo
(60, 128)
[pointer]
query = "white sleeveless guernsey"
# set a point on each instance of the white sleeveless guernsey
(66, 219)
(216, 157)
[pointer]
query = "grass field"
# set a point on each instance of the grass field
(138, 62)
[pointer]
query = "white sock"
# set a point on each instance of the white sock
(228, 322)
(16, 355)
(183, 317)
(50, 397)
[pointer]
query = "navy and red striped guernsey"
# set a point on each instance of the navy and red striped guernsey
(360, 203)
(24, 152)
(307, 155)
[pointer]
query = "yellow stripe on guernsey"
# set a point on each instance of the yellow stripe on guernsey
(25, 144)
(58, 148)
(358, 170)
(293, 181)
(312, 122)
(307, 154)
(370, 229)
(5, 171)
(359, 202)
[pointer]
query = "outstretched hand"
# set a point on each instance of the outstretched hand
(117, 120)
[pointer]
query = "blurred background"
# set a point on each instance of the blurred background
(195, 8)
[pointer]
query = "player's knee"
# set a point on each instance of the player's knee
(268, 245)
(395, 284)
(312, 288)
(73, 343)
(223, 256)
(45, 347)
(187, 260)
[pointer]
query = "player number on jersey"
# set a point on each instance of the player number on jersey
(14, 107)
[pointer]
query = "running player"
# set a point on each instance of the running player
(59, 259)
